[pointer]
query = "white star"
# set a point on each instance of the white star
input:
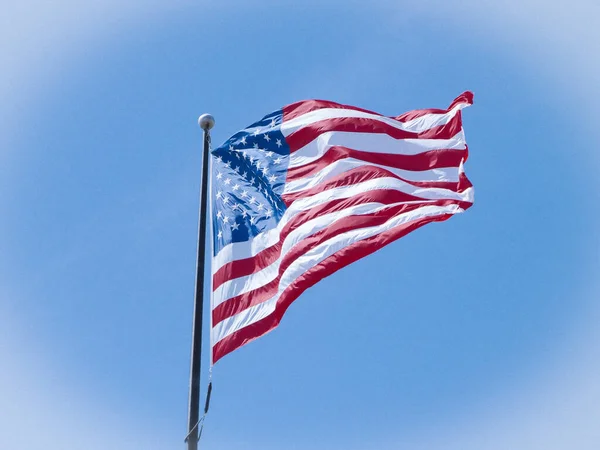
(251, 180)
(237, 169)
(278, 142)
(235, 226)
(228, 163)
(219, 194)
(277, 160)
(244, 214)
(225, 200)
(269, 154)
(258, 164)
(265, 171)
(260, 206)
(272, 179)
(243, 140)
(236, 187)
(219, 159)
(256, 132)
(236, 206)
(228, 181)
(219, 214)
(267, 138)
(255, 145)
(230, 147)
(244, 174)
(225, 219)
(269, 213)
(244, 153)
(244, 194)
(252, 200)
(273, 123)
(252, 220)
(219, 176)
(220, 234)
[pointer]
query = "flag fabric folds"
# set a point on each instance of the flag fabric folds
(314, 187)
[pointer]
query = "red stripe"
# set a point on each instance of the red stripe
(383, 196)
(265, 258)
(247, 266)
(239, 303)
(355, 222)
(463, 182)
(433, 159)
(360, 174)
(309, 133)
(299, 108)
(325, 268)
(244, 301)
(302, 107)
(465, 97)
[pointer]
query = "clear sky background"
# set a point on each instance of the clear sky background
(479, 333)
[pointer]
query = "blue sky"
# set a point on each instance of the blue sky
(477, 333)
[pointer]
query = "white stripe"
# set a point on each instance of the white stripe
(378, 183)
(432, 120)
(248, 249)
(247, 283)
(324, 221)
(344, 165)
(242, 250)
(384, 183)
(372, 143)
(417, 125)
(314, 257)
(317, 254)
(242, 320)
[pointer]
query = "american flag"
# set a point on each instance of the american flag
(314, 187)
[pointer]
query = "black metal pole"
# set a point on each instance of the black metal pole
(206, 122)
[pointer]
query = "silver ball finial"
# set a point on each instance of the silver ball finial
(206, 121)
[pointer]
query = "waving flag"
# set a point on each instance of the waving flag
(314, 187)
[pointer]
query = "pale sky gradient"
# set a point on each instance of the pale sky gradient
(53, 399)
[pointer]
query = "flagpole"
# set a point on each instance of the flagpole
(206, 122)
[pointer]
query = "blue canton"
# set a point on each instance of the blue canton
(248, 177)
